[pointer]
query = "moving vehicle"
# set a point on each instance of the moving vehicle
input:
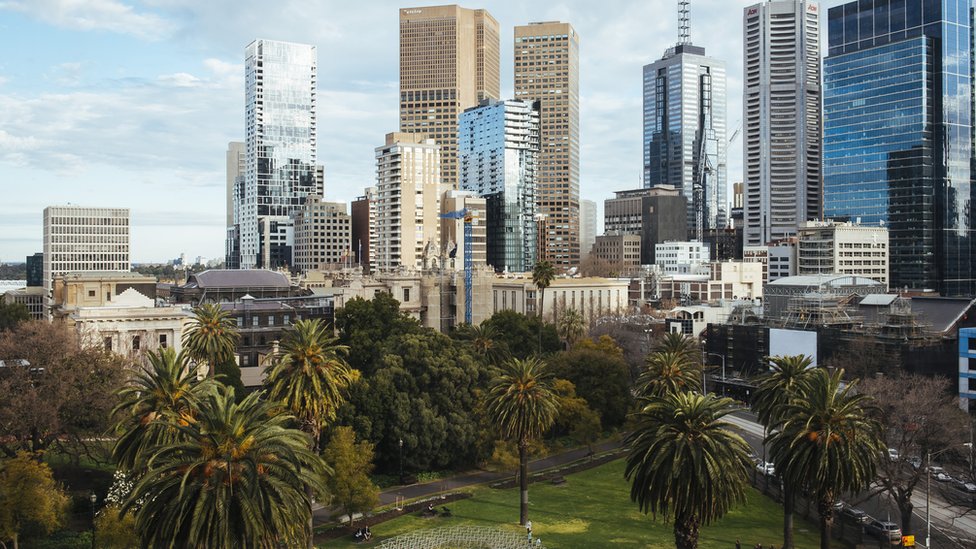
(766, 468)
(883, 530)
(855, 515)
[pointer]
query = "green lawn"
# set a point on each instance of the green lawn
(593, 509)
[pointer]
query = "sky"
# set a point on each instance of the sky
(117, 103)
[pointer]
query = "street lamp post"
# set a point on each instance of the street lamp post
(93, 498)
(401, 461)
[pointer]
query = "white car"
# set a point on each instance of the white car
(766, 468)
(892, 454)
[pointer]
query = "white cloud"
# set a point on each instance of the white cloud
(109, 15)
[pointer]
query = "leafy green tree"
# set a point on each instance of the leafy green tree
(29, 497)
(61, 398)
(114, 530)
(425, 390)
(776, 389)
(12, 314)
(229, 373)
(686, 463)
(601, 377)
(351, 463)
(212, 336)
(828, 441)
(310, 380)
(363, 324)
(571, 326)
(542, 276)
(518, 334)
(166, 389)
(235, 477)
(524, 406)
(668, 372)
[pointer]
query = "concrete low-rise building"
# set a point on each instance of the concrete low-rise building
(681, 257)
(31, 297)
(844, 248)
(592, 297)
(726, 280)
(621, 251)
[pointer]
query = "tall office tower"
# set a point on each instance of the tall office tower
(781, 114)
(280, 169)
(658, 214)
(498, 150)
(449, 61)
(363, 214)
(684, 129)
(85, 239)
(408, 202)
(547, 71)
(587, 226)
(452, 228)
(898, 145)
(236, 165)
(322, 235)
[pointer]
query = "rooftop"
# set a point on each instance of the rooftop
(830, 280)
(238, 278)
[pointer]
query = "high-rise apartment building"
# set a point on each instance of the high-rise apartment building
(408, 202)
(781, 118)
(587, 226)
(898, 145)
(449, 61)
(547, 71)
(684, 131)
(323, 235)
(364, 239)
(235, 175)
(280, 169)
(498, 151)
(452, 229)
(78, 239)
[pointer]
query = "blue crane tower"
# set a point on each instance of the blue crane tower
(465, 214)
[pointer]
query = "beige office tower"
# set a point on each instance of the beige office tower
(449, 61)
(547, 70)
(79, 239)
(408, 202)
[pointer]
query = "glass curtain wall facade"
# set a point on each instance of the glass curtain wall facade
(684, 130)
(280, 146)
(898, 134)
(498, 150)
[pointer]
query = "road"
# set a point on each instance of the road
(948, 530)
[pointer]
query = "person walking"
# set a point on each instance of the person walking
(738, 544)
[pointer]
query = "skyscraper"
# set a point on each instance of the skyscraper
(85, 239)
(280, 170)
(363, 218)
(587, 226)
(547, 71)
(236, 165)
(498, 150)
(408, 202)
(898, 145)
(684, 129)
(449, 61)
(781, 114)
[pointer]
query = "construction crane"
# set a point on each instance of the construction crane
(467, 216)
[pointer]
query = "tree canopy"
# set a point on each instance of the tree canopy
(518, 334)
(349, 483)
(29, 497)
(601, 377)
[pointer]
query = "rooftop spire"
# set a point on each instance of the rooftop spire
(684, 21)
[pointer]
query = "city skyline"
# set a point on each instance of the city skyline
(132, 106)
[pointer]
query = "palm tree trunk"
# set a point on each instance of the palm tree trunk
(789, 502)
(311, 530)
(523, 481)
(825, 510)
(686, 532)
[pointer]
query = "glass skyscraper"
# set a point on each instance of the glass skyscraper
(684, 130)
(280, 166)
(898, 134)
(498, 150)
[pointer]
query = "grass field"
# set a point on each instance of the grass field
(593, 509)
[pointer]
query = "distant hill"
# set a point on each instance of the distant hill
(13, 271)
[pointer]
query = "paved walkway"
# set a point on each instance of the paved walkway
(322, 515)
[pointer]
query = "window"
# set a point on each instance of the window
(245, 360)
(163, 343)
(108, 343)
(91, 293)
(270, 320)
(406, 295)
(254, 321)
(136, 340)
(285, 320)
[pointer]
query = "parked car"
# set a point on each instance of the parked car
(892, 454)
(935, 469)
(766, 468)
(853, 514)
(883, 530)
(838, 505)
(964, 486)
(942, 476)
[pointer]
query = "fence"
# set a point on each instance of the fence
(461, 537)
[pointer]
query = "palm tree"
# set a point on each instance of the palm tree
(776, 390)
(542, 275)
(212, 336)
(686, 463)
(572, 326)
(521, 401)
(827, 440)
(166, 388)
(668, 372)
(234, 478)
(679, 344)
(484, 339)
(309, 379)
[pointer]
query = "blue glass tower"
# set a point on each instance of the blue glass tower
(898, 133)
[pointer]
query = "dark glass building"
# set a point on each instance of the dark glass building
(898, 133)
(35, 269)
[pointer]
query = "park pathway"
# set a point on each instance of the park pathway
(322, 515)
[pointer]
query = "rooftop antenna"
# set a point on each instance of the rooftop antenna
(684, 21)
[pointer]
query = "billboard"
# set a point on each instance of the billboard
(793, 342)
